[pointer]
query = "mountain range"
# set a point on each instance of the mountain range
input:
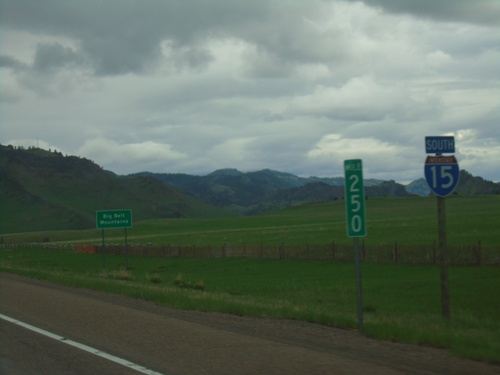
(43, 190)
(267, 190)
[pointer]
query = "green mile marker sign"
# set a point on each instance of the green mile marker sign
(355, 198)
(113, 219)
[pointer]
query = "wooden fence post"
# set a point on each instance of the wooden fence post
(478, 253)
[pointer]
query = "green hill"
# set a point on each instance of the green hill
(266, 190)
(467, 185)
(43, 190)
(476, 185)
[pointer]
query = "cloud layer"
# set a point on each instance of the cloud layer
(296, 86)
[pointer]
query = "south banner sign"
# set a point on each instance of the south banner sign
(442, 173)
(440, 145)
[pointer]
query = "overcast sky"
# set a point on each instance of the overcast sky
(295, 86)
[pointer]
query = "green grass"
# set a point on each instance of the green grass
(402, 302)
(408, 221)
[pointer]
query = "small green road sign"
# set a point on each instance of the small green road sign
(113, 219)
(355, 198)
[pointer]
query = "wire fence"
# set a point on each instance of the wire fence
(475, 254)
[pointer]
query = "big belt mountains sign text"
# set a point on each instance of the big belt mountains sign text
(114, 219)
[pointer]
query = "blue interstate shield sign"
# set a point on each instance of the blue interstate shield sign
(441, 173)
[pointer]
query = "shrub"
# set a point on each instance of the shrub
(154, 278)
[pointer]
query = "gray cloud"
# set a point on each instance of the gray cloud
(53, 56)
(477, 11)
(295, 86)
(10, 62)
(121, 37)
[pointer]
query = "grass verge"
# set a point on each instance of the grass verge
(401, 302)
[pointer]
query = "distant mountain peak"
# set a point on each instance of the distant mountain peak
(419, 187)
(226, 172)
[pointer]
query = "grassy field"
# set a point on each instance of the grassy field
(405, 220)
(401, 302)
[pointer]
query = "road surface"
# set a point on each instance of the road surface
(173, 342)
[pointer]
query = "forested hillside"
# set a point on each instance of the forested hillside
(266, 190)
(42, 190)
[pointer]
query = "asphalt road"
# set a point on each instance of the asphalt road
(174, 342)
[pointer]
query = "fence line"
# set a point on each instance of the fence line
(38, 245)
(476, 254)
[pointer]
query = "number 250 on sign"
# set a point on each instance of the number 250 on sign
(354, 198)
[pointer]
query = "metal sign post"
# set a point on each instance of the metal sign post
(443, 259)
(442, 173)
(355, 220)
(114, 219)
(103, 251)
(126, 250)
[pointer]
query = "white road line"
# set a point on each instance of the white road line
(86, 348)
